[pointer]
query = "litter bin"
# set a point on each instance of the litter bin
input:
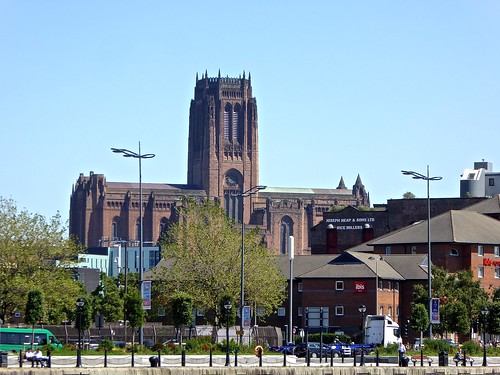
(153, 360)
(443, 358)
(404, 361)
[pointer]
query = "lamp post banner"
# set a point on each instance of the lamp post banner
(246, 317)
(146, 295)
(435, 311)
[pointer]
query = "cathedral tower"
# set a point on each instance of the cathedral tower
(223, 140)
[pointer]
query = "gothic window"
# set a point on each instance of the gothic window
(286, 230)
(115, 228)
(237, 133)
(137, 230)
(232, 201)
(227, 122)
(163, 225)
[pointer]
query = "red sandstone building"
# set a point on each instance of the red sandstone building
(223, 161)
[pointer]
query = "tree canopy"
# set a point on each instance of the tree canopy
(202, 252)
(34, 254)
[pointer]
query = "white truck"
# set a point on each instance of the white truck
(381, 330)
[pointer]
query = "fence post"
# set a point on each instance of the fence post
(259, 350)
(354, 358)
(284, 358)
(236, 358)
(20, 358)
(159, 358)
(133, 356)
(183, 358)
(377, 357)
(210, 362)
(49, 358)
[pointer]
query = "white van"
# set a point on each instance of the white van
(381, 330)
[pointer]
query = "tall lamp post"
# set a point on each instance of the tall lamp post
(419, 176)
(484, 313)
(291, 245)
(253, 190)
(80, 302)
(362, 310)
(227, 306)
(376, 281)
(130, 154)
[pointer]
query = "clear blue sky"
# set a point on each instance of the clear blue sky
(343, 88)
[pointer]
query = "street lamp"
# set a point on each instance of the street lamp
(130, 154)
(227, 306)
(242, 195)
(291, 244)
(376, 281)
(362, 310)
(80, 302)
(484, 313)
(418, 176)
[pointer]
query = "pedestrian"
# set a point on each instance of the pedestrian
(401, 351)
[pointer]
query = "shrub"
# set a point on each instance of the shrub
(106, 344)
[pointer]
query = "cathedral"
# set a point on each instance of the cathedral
(223, 164)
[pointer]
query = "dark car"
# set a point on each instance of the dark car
(287, 349)
(314, 350)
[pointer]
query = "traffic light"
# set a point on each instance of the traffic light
(406, 329)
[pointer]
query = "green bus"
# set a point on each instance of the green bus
(16, 339)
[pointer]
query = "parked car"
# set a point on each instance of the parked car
(314, 350)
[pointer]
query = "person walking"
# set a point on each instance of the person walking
(401, 351)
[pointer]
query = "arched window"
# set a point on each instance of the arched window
(163, 225)
(232, 187)
(115, 228)
(286, 230)
(454, 252)
(227, 123)
(137, 230)
(236, 124)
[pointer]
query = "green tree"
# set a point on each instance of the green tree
(455, 317)
(409, 195)
(34, 253)
(419, 318)
(134, 312)
(107, 299)
(205, 243)
(34, 311)
(181, 310)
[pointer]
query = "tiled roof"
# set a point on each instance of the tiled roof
(454, 226)
(487, 206)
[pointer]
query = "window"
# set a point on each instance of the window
(281, 311)
(286, 230)
(227, 129)
(397, 311)
(299, 311)
(497, 272)
(480, 272)
(496, 251)
(339, 310)
(396, 286)
(389, 285)
(299, 287)
(381, 310)
(480, 250)
(389, 310)
(388, 250)
(413, 249)
(491, 182)
(454, 252)
(381, 285)
(339, 285)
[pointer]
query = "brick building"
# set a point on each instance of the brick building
(223, 161)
